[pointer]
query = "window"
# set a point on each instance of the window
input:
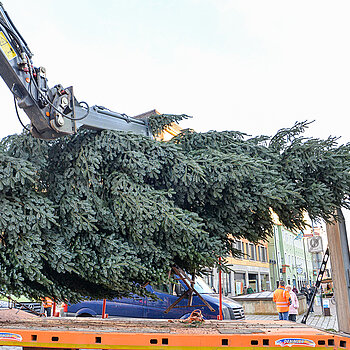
(263, 254)
(264, 249)
(163, 288)
(226, 283)
(260, 253)
(234, 244)
(239, 246)
(209, 278)
(252, 251)
(247, 250)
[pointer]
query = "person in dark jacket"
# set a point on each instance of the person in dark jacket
(308, 293)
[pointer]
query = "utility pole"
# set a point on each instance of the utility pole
(340, 260)
(295, 264)
(307, 270)
(275, 231)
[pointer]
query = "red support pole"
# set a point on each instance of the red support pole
(104, 308)
(53, 313)
(220, 318)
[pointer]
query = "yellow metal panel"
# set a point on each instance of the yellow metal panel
(6, 47)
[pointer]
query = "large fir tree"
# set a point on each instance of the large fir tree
(101, 213)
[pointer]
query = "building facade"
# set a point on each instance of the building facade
(290, 259)
(252, 269)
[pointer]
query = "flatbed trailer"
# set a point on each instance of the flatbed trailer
(92, 333)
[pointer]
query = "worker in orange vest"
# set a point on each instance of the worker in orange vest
(47, 304)
(282, 299)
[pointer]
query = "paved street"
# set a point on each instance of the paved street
(315, 319)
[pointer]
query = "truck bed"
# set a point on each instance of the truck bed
(92, 333)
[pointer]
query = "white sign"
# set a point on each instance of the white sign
(326, 303)
(315, 244)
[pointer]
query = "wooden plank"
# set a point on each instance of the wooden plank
(339, 276)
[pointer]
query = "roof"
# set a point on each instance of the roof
(145, 115)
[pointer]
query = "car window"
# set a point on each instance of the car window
(163, 288)
(202, 287)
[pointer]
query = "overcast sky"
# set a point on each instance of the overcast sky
(252, 66)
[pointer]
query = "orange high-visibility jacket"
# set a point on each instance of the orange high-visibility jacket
(281, 298)
(47, 302)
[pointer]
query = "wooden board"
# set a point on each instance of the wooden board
(339, 275)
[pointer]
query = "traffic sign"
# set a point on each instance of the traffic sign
(315, 244)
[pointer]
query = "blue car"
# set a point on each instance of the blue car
(144, 307)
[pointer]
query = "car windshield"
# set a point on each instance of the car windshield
(201, 287)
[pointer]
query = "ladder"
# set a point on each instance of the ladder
(317, 285)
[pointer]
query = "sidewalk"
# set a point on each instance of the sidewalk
(315, 319)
